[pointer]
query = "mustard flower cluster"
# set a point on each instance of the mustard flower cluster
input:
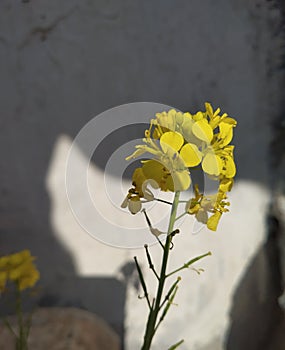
(18, 268)
(178, 142)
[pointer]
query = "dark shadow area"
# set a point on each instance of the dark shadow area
(103, 296)
(255, 314)
(113, 141)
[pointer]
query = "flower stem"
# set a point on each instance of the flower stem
(21, 340)
(181, 216)
(190, 262)
(142, 282)
(162, 201)
(150, 263)
(153, 313)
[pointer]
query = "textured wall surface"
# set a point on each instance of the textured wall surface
(62, 63)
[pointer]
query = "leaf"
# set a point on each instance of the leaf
(175, 346)
(169, 303)
(192, 261)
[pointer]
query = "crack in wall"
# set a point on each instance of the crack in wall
(43, 31)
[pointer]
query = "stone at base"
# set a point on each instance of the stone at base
(64, 329)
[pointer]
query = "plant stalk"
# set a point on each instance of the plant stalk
(153, 313)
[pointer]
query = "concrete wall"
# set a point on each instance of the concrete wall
(62, 63)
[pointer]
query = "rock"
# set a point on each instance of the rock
(64, 329)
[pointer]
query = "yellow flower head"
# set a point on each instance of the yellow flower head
(19, 268)
(177, 142)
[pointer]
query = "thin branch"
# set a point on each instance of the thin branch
(150, 226)
(142, 282)
(7, 324)
(151, 266)
(170, 292)
(162, 201)
(181, 216)
(190, 262)
(167, 306)
(147, 218)
(159, 241)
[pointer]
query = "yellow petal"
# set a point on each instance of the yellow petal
(148, 195)
(167, 119)
(135, 205)
(209, 109)
(202, 216)
(29, 280)
(4, 261)
(213, 221)
(20, 257)
(171, 119)
(229, 120)
(212, 164)
(3, 280)
(198, 116)
(192, 207)
(125, 203)
(202, 130)
(167, 184)
(138, 180)
(230, 167)
(226, 133)
(187, 130)
(171, 140)
(3, 277)
(15, 274)
(152, 169)
(191, 155)
(181, 180)
(179, 117)
(156, 171)
(226, 185)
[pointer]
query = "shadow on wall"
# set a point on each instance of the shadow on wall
(256, 313)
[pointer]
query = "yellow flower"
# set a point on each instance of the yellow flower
(202, 206)
(172, 157)
(139, 191)
(202, 137)
(19, 268)
(177, 142)
(217, 154)
(132, 201)
(193, 206)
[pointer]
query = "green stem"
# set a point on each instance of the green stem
(181, 216)
(21, 341)
(150, 263)
(7, 324)
(142, 282)
(168, 295)
(153, 314)
(190, 262)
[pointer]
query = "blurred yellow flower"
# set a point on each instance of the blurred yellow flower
(19, 268)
